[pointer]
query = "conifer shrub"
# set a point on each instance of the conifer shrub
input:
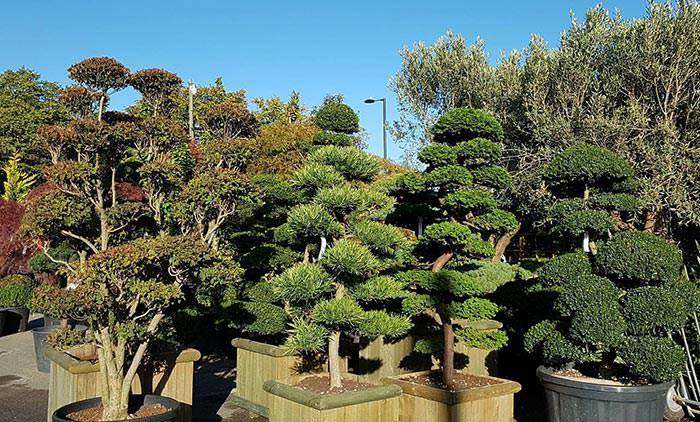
(617, 303)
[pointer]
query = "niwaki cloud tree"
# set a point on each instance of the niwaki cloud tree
(344, 285)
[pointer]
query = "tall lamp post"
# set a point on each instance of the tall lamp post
(371, 100)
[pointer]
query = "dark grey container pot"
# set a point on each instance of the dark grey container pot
(40, 334)
(13, 320)
(170, 416)
(571, 400)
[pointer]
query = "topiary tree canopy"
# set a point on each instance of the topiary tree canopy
(338, 122)
(593, 189)
(343, 285)
(123, 295)
(616, 307)
(468, 231)
(100, 74)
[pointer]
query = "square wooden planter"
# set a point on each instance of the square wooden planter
(382, 358)
(258, 362)
(422, 403)
(292, 404)
(71, 380)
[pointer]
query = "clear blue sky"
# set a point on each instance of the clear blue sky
(272, 47)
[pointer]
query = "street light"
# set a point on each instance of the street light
(371, 100)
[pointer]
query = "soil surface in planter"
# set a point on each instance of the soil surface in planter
(462, 381)
(322, 384)
(94, 414)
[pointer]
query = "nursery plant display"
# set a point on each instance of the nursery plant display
(618, 301)
(459, 252)
(344, 280)
(123, 295)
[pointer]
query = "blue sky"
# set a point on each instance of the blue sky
(272, 47)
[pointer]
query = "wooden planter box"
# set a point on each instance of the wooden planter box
(421, 403)
(71, 380)
(291, 404)
(258, 362)
(383, 358)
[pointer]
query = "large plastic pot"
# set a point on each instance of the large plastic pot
(572, 400)
(13, 320)
(170, 416)
(40, 334)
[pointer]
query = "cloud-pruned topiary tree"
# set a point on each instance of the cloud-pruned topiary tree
(338, 122)
(101, 75)
(616, 310)
(467, 234)
(343, 285)
(617, 304)
(594, 189)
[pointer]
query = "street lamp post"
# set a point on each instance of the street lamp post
(371, 100)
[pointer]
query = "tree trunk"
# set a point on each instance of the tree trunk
(101, 107)
(448, 352)
(334, 360)
(503, 242)
(104, 230)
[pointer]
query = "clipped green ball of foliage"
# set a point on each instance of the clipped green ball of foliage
(565, 207)
(463, 124)
(378, 289)
(415, 303)
(585, 291)
(351, 162)
(313, 177)
(337, 117)
(380, 323)
(483, 339)
(586, 164)
(495, 177)
(654, 310)
(349, 260)
(306, 336)
(656, 359)
(566, 268)
(302, 284)
(470, 200)
(334, 138)
(438, 155)
(269, 319)
(15, 291)
(639, 258)
(473, 309)
(312, 221)
(456, 237)
(341, 200)
(449, 178)
(600, 323)
(579, 222)
(478, 151)
(411, 183)
(338, 314)
(623, 202)
(383, 240)
(496, 221)
(545, 339)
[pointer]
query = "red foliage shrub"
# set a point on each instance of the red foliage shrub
(129, 192)
(14, 253)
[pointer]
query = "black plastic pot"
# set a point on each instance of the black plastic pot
(40, 334)
(171, 415)
(13, 320)
(572, 400)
